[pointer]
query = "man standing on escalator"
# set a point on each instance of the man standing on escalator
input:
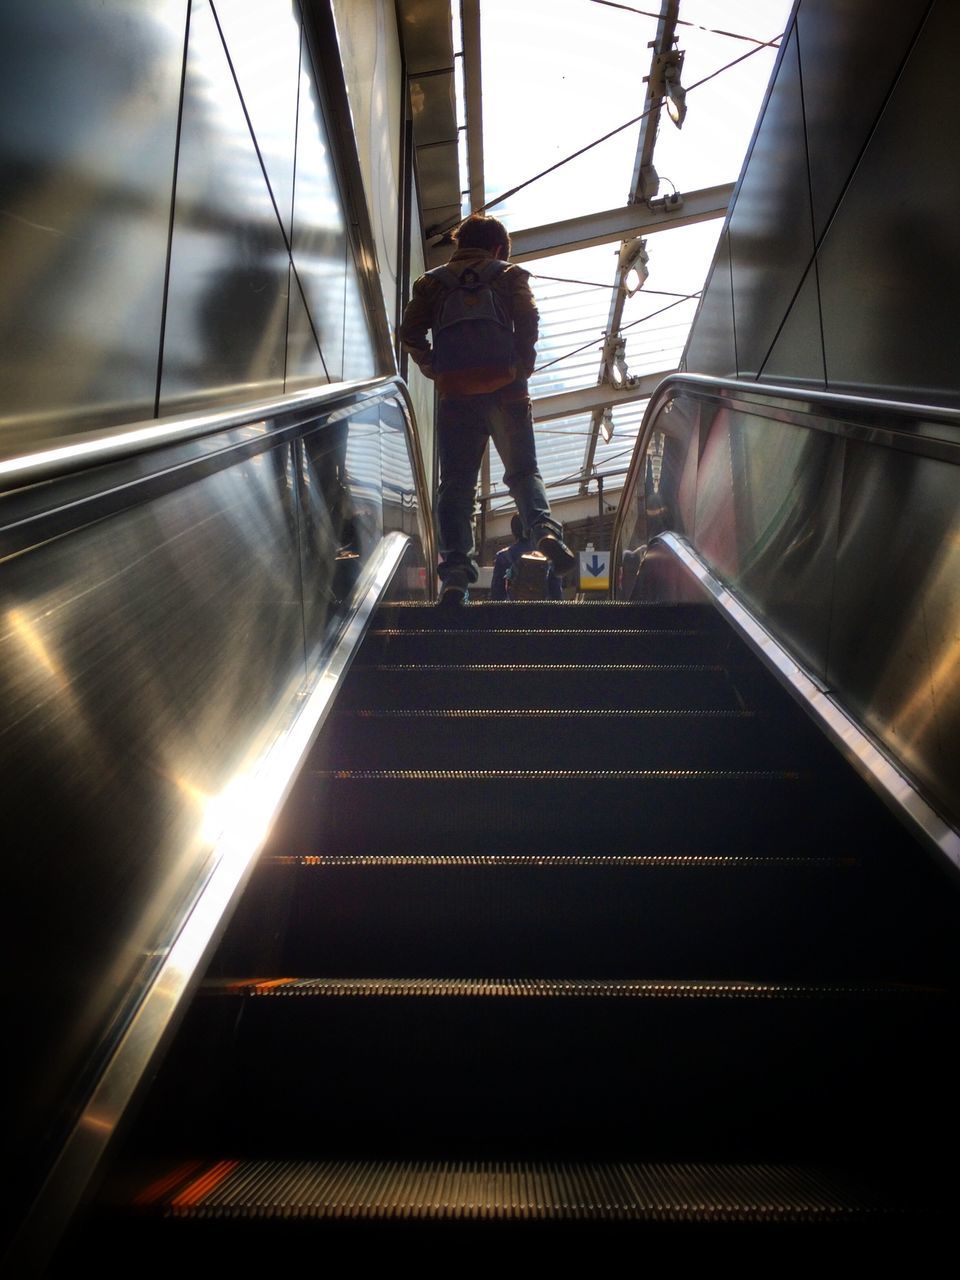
(483, 319)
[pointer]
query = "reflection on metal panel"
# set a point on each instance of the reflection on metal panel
(771, 242)
(426, 32)
(439, 183)
(330, 557)
(373, 71)
(434, 109)
(304, 363)
(850, 61)
(767, 509)
(797, 353)
(665, 497)
(889, 267)
(227, 300)
(836, 520)
(895, 643)
(148, 654)
(711, 346)
(320, 251)
(125, 656)
(400, 508)
(421, 388)
(87, 147)
(715, 532)
(363, 480)
(263, 41)
(359, 357)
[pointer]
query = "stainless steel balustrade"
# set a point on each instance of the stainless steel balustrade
(179, 602)
(834, 521)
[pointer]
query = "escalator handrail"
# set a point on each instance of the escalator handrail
(109, 444)
(859, 416)
(137, 440)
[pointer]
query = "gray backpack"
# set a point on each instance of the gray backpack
(472, 328)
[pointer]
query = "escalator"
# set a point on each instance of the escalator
(573, 922)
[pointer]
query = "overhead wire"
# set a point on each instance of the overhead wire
(595, 284)
(687, 298)
(685, 22)
(489, 204)
(678, 298)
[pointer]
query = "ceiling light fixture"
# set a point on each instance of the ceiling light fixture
(675, 93)
(616, 362)
(665, 83)
(633, 265)
(606, 425)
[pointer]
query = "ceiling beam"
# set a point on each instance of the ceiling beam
(619, 224)
(473, 97)
(643, 190)
(646, 182)
(586, 399)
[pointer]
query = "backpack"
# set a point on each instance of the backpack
(472, 326)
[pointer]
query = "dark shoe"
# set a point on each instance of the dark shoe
(453, 589)
(528, 578)
(557, 552)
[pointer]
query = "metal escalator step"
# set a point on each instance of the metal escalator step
(570, 1068)
(567, 988)
(478, 738)
(563, 644)
(545, 916)
(687, 811)
(548, 916)
(557, 860)
(635, 632)
(545, 613)
(607, 713)
(288, 1190)
(497, 668)
(411, 686)
(558, 775)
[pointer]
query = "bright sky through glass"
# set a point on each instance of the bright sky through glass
(557, 75)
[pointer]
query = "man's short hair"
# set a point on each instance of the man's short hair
(480, 232)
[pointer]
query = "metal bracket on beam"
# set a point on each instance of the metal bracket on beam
(620, 224)
(588, 399)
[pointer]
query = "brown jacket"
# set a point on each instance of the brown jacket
(513, 285)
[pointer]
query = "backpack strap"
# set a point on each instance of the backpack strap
(450, 280)
(494, 269)
(444, 276)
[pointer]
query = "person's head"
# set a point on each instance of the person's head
(516, 528)
(480, 232)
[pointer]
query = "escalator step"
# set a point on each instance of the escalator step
(543, 916)
(621, 685)
(285, 1190)
(553, 1069)
(554, 644)
(643, 811)
(567, 988)
(487, 738)
(562, 861)
(543, 613)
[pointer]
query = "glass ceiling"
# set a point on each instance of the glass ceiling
(558, 75)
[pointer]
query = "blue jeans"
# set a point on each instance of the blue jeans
(464, 424)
